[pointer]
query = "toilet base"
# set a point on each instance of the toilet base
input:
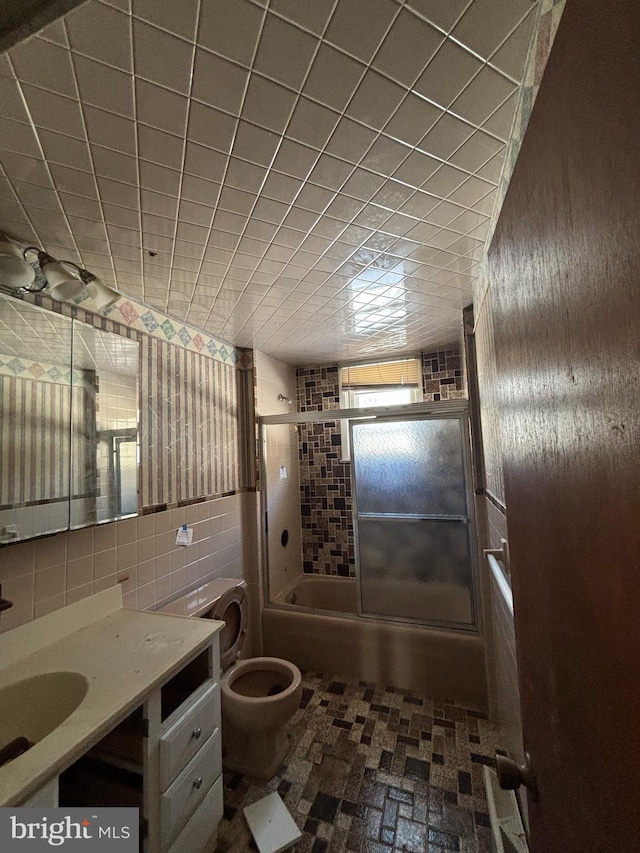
(257, 754)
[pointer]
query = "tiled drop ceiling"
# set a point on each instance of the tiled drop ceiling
(312, 178)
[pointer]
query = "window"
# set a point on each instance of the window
(386, 383)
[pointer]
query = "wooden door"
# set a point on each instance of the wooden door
(565, 271)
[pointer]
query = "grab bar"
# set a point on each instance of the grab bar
(503, 584)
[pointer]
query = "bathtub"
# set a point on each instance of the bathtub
(322, 632)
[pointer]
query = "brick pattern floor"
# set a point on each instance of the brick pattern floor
(375, 770)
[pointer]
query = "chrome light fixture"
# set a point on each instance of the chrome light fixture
(67, 281)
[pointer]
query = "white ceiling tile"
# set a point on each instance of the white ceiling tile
(312, 124)
(347, 31)
(199, 190)
(103, 86)
(244, 176)
(268, 104)
(445, 180)
(113, 164)
(445, 136)
(101, 32)
(350, 140)
(204, 162)
(312, 16)
(362, 184)
(285, 52)
(393, 195)
(486, 23)
(112, 192)
(65, 150)
(158, 225)
(158, 204)
(492, 169)
(178, 18)
(161, 57)
(12, 104)
(313, 198)
(500, 122)
(236, 201)
(384, 156)
(407, 48)
(375, 100)
(73, 181)
(46, 218)
(122, 216)
(218, 82)
(483, 96)
(295, 159)
(19, 138)
(470, 192)
(330, 172)
(445, 212)
(447, 74)
(333, 78)
(281, 187)
(160, 107)
(510, 56)
(110, 130)
(54, 112)
(55, 32)
(413, 119)
(46, 65)
(87, 228)
(230, 28)
(417, 168)
(159, 178)
(476, 150)
(31, 194)
(255, 144)
(211, 127)
(160, 147)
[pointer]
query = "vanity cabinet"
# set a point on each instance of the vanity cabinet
(165, 758)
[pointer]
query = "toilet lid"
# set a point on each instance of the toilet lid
(231, 609)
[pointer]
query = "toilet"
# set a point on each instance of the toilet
(259, 695)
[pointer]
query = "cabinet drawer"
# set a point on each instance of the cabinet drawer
(180, 801)
(200, 832)
(185, 736)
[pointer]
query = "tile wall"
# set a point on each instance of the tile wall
(42, 575)
(325, 479)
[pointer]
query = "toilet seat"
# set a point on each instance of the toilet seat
(231, 608)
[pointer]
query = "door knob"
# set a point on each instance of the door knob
(511, 774)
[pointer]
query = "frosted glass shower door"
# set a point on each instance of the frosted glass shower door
(412, 519)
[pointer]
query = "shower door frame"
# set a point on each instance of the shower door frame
(409, 411)
(446, 413)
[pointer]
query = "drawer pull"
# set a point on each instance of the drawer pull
(197, 783)
(196, 733)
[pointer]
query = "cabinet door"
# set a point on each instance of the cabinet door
(185, 736)
(201, 831)
(181, 800)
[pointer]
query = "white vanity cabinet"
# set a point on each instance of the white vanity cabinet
(165, 758)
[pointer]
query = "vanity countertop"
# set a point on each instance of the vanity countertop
(123, 654)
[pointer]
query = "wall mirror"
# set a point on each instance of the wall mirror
(69, 423)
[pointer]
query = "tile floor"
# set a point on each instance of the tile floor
(375, 770)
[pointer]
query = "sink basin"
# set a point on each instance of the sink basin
(34, 707)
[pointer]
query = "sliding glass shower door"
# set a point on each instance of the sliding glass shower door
(413, 528)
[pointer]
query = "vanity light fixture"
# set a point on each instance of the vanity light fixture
(15, 272)
(67, 280)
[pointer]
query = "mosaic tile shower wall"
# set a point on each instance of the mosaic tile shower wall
(442, 376)
(325, 480)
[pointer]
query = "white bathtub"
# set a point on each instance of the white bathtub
(435, 662)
